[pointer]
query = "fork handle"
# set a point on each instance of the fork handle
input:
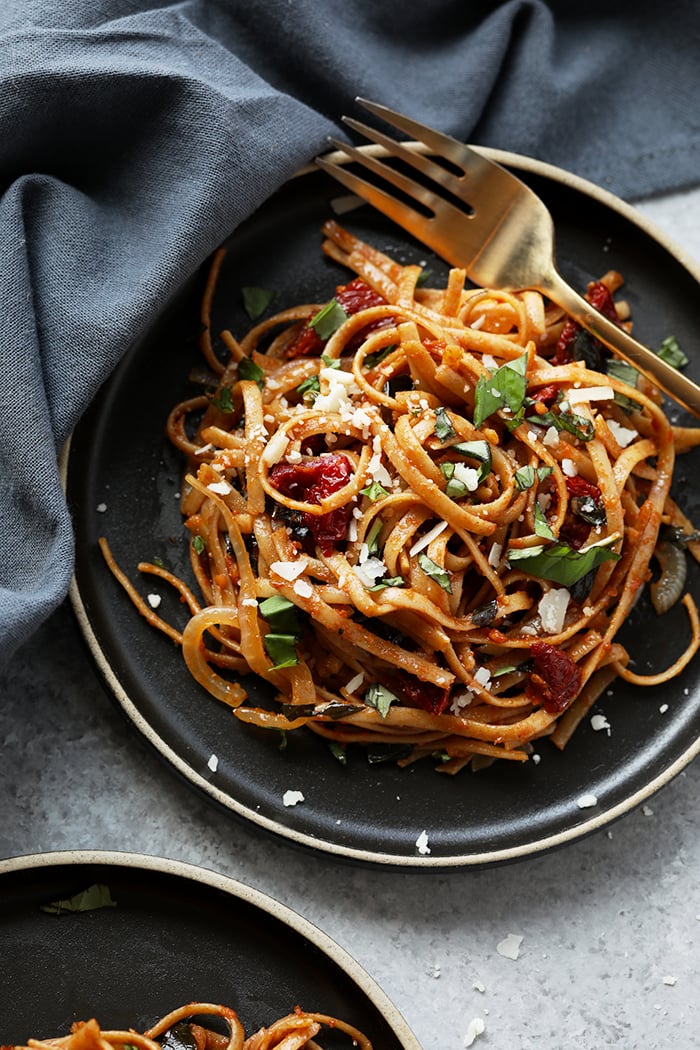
(674, 383)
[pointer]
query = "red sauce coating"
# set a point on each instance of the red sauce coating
(309, 482)
(556, 679)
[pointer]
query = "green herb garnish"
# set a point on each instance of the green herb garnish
(541, 525)
(247, 369)
(198, 544)
(562, 564)
(380, 698)
(338, 751)
(328, 319)
(479, 450)
(372, 360)
(281, 614)
(372, 540)
(670, 351)
(506, 388)
(281, 648)
(579, 426)
(375, 492)
(435, 572)
(330, 362)
(256, 301)
(443, 427)
(389, 581)
(223, 400)
(310, 389)
(525, 477)
(96, 896)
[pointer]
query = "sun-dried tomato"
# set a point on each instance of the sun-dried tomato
(426, 695)
(309, 482)
(601, 299)
(353, 297)
(578, 486)
(546, 395)
(556, 679)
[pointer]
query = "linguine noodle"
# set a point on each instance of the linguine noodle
(295, 1031)
(421, 514)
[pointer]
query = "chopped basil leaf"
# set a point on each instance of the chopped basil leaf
(179, 1037)
(223, 401)
(577, 425)
(560, 563)
(431, 569)
(589, 509)
(337, 709)
(424, 276)
(292, 711)
(372, 540)
(525, 477)
(504, 670)
(374, 491)
(338, 751)
(159, 562)
(198, 544)
(670, 351)
(377, 753)
(281, 614)
(443, 426)
(284, 739)
(248, 369)
(256, 301)
(310, 389)
(455, 488)
(479, 450)
(380, 698)
(504, 389)
(96, 896)
(541, 525)
(390, 581)
(330, 362)
(372, 360)
(328, 319)
(485, 614)
(621, 370)
(281, 648)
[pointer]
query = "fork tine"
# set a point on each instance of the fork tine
(443, 145)
(401, 214)
(422, 163)
(414, 190)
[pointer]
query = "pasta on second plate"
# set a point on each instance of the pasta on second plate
(422, 515)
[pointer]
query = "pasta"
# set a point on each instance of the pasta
(421, 514)
(295, 1031)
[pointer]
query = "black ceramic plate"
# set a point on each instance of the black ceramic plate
(177, 934)
(119, 458)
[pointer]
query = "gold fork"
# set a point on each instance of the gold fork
(504, 239)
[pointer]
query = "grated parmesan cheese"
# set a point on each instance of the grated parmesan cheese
(275, 448)
(354, 683)
(569, 468)
(221, 488)
(426, 540)
(154, 600)
(291, 798)
(422, 843)
(213, 763)
(586, 801)
(551, 437)
(476, 1027)
(370, 571)
(591, 393)
(599, 722)
(289, 570)
(303, 588)
(552, 609)
(623, 435)
(509, 947)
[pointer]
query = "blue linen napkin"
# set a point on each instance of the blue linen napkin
(135, 136)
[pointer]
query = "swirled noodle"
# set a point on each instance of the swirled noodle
(294, 1031)
(422, 515)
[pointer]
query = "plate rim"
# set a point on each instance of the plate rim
(238, 890)
(482, 859)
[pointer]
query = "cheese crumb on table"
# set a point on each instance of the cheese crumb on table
(586, 801)
(291, 798)
(475, 1028)
(422, 843)
(509, 947)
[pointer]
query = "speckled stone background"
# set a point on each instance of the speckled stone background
(610, 926)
